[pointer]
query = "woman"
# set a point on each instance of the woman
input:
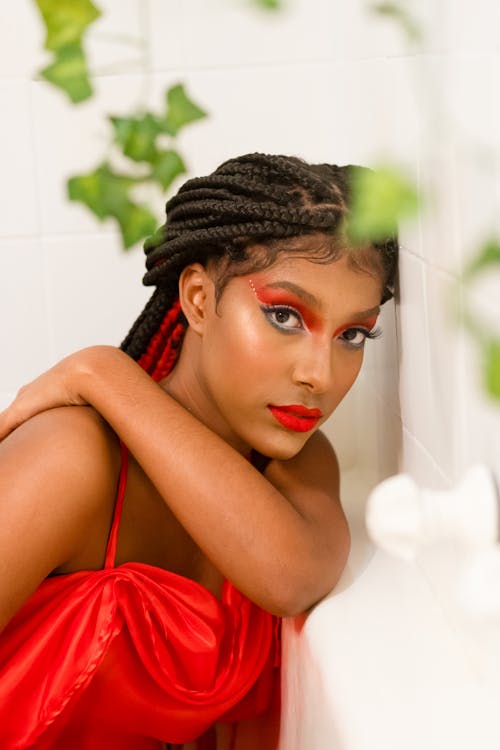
(227, 504)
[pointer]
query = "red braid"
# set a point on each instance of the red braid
(163, 348)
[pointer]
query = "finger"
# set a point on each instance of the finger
(10, 419)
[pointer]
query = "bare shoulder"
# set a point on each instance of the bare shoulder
(72, 423)
(70, 443)
(57, 474)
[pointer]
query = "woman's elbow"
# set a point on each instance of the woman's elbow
(299, 590)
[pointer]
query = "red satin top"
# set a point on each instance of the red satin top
(130, 657)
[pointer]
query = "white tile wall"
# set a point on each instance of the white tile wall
(91, 298)
(18, 188)
(25, 333)
(281, 109)
(22, 35)
(445, 373)
(440, 236)
(324, 80)
(381, 367)
(415, 374)
(116, 41)
(471, 26)
(74, 140)
(226, 34)
(470, 98)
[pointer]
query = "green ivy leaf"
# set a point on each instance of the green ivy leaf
(492, 367)
(66, 20)
(181, 110)
(69, 73)
(380, 199)
(106, 194)
(402, 17)
(137, 136)
(136, 223)
(102, 191)
(488, 255)
(167, 167)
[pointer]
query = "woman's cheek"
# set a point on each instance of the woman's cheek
(352, 370)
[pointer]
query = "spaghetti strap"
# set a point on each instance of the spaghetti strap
(109, 561)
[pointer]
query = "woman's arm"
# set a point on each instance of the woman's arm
(57, 487)
(281, 539)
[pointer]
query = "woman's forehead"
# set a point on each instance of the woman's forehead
(297, 264)
(319, 285)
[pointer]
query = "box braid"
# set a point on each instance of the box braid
(252, 199)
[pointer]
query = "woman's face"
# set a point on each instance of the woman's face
(281, 350)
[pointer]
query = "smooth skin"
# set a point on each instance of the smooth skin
(193, 504)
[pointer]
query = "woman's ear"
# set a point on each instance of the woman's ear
(196, 295)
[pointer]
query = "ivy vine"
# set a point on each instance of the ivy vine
(108, 192)
(146, 139)
(66, 22)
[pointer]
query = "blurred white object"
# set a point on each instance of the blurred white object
(402, 518)
(478, 585)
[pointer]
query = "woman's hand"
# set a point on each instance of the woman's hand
(59, 386)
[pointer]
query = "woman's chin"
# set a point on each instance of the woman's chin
(283, 446)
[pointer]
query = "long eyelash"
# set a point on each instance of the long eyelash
(375, 333)
(268, 309)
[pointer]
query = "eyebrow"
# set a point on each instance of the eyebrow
(366, 313)
(307, 297)
(310, 299)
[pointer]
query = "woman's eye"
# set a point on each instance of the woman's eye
(283, 318)
(356, 337)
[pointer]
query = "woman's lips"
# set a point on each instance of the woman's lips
(296, 417)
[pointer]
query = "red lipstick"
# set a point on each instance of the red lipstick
(296, 417)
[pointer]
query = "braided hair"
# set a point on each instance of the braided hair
(257, 199)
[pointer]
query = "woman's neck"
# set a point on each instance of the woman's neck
(186, 385)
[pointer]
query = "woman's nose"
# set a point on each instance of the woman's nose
(314, 367)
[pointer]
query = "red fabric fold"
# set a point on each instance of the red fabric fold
(142, 651)
(131, 657)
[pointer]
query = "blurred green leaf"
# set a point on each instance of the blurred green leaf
(69, 72)
(181, 110)
(402, 17)
(492, 367)
(167, 167)
(137, 136)
(136, 223)
(269, 4)
(488, 255)
(66, 20)
(106, 194)
(156, 238)
(102, 191)
(380, 199)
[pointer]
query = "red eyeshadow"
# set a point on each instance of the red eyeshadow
(367, 323)
(284, 297)
(313, 321)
